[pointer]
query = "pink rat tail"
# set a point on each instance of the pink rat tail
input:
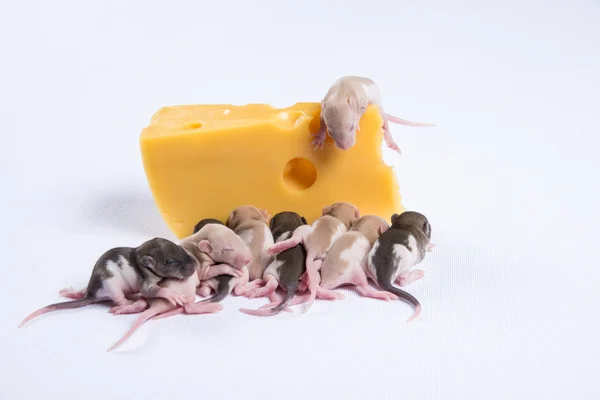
(176, 311)
(311, 271)
(401, 121)
(66, 305)
(146, 315)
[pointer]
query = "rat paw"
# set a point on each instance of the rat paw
(394, 147)
(238, 273)
(329, 295)
(172, 296)
(71, 293)
(389, 296)
(404, 280)
(203, 291)
(134, 308)
(302, 287)
(318, 141)
(197, 308)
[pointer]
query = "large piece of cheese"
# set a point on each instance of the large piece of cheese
(202, 161)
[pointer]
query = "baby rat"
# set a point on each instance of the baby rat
(396, 251)
(286, 268)
(221, 284)
(344, 105)
(161, 308)
(218, 250)
(250, 224)
(336, 219)
(124, 271)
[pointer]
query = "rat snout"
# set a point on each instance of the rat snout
(344, 141)
(190, 268)
(344, 145)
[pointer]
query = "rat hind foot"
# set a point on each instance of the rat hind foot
(197, 308)
(71, 293)
(389, 141)
(406, 278)
(327, 294)
(203, 290)
(269, 288)
(367, 291)
(137, 307)
(387, 136)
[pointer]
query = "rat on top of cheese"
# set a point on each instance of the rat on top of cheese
(202, 161)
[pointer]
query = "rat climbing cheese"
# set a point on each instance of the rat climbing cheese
(202, 161)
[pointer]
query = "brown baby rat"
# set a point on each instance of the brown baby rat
(251, 225)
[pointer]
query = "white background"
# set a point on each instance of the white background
(509, 179)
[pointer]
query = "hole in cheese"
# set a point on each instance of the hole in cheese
(299, 173)
(193, 125)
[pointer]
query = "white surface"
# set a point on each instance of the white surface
(509, 179)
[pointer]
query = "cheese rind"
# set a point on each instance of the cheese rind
(202, 161)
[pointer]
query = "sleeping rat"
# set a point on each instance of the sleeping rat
(222, 285)
(251, 225)
(124, 271)
(397, 251)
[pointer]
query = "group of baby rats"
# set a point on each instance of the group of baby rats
(252, 254)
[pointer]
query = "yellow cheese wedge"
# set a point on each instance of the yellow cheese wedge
(202, 161)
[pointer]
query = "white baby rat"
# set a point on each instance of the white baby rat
(342, 108)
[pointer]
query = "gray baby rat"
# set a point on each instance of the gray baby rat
(124, 271)
(288, 265)
(397, 251)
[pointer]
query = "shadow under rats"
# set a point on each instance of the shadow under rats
(133, 211)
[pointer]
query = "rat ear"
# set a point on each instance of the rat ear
(362, 107)
(325, 210)
(356, 213)
(204, 246)
(304, 220)
(147, 261)
(383, 228)
(394, 218)
(265, 213)
(229, 218)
